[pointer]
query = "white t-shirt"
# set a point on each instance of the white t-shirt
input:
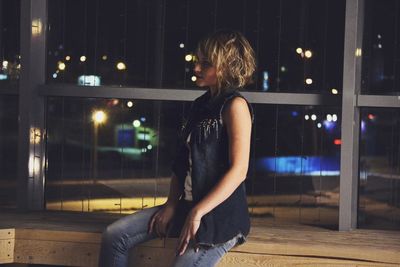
(188, 179)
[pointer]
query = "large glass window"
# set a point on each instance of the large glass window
(381, 56)
(124, 163)
(379, 191)
(296, 162)
(110, 155)
(9, 41)
(299, 44)
(8, 150)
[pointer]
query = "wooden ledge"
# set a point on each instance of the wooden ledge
(58, 241)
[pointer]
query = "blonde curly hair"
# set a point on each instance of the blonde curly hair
(232, 56)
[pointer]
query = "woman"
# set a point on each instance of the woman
(206, 206)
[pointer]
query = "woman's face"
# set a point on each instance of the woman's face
(206, 74)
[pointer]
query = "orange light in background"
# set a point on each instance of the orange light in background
(337, 142)
(371, 116)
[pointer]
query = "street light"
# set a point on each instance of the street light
(99, 117)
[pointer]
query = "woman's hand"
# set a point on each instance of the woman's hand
(188, 232)
(161, 220)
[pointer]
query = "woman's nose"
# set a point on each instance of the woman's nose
(197, 68)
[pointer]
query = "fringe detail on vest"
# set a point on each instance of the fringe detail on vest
(206, 128)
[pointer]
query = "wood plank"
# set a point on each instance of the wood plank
(277, 242)
(7, 245)
(6, 250)
(236, 259)
(51, 235)
(158, 257)
(7, 233)
(56, 253)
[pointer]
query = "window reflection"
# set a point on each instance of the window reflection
(146, 43)
(379, 189)
(295, 172)
(8, 150)
(110, 155)
(380, 62)
(10, 58)
(124, 163)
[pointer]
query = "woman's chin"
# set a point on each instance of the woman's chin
(200, 83)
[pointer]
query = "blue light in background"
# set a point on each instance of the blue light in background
(265, 81)
(329, 125)
(297, 165)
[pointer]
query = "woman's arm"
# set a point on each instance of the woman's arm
(237, 119)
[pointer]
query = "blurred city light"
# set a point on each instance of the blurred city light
(89, 80)
(33, 165)
(82, 58)
(35, 136)
(265, 80)
(5, 64)
(371, 116)
(299, 50)
(67, 58)
(104, 57)
(36, 27)
(306, 117)
(309, 81)
(182, 45)
(358, 52)
(334, 117)
(334, 91)
(194, 78)
(319, 125)
(136, 123)
(308, 54)
(61, 65)
(329, 117)
(329, 125)
(121, 66)
(129, 104)
(99, 116)
(313, 117)
(3, 77)
(188, 57)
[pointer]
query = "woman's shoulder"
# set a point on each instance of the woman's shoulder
(235, 101)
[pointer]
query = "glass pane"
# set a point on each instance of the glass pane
(299, 45)
(380, 56)
(379, 188)
(8, 150)
(110, 155)
(9, 41)
(295, 172)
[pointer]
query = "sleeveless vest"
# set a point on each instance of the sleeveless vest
(209, 147)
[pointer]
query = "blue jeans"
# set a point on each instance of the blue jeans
(131, 230)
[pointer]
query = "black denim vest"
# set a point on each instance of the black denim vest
(209, 146)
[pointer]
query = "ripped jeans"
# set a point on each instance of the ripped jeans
(131, 230)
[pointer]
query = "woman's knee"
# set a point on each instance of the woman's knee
(115, 239)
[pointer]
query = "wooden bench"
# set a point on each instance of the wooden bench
(72, 239)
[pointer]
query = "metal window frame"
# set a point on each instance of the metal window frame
(34, 91)
(184, 95)
(31, 132)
